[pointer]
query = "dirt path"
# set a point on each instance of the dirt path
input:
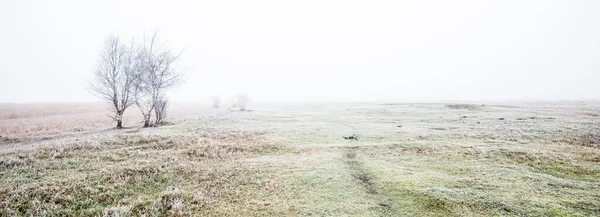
(366, 179)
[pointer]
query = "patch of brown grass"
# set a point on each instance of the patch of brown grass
(48, 126)
(18, 111)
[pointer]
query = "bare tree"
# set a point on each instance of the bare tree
(241, 101)
(144, 101)
(216, 101)
(160, 111)
(157, 74)
(115, 78)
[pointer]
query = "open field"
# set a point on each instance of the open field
(533, 159)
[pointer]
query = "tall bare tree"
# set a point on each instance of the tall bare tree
(157, 74)
(116, 78)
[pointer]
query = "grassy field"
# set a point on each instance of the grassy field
(515, 159)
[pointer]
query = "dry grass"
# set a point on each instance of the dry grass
(139, 173)
(43, 121)
(19, 111)
(22, 122)
(295, 161)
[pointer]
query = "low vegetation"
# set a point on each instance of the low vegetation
(350, 161)
(140, 173)
(464, 106)
(216, 101)
(241, 101)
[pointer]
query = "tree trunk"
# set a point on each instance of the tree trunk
(147, 120)
(119, 120)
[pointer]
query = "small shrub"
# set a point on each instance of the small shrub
(242, 101)
(352, 137)
(464, 106)
(216, 101)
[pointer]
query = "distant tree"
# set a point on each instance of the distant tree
(216, 101)
(115, 79)
(157, 74)
(241, 101)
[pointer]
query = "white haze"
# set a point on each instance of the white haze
(315, 50)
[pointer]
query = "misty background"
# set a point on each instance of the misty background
(314, 50)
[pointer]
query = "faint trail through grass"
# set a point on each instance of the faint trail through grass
(366, 179)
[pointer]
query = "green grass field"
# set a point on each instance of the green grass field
(407, 160)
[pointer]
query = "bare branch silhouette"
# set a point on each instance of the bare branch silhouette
(115, 79)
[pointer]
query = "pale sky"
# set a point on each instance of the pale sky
(317, 50)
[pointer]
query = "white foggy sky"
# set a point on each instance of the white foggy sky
(315, 50)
